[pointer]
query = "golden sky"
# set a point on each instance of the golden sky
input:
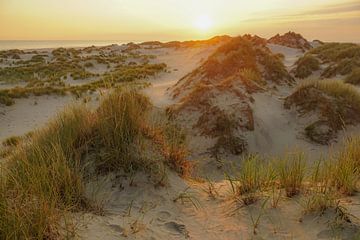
(143, 20)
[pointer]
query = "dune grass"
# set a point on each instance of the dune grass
(44, 177)
(47, 73)
(253, 177)
(337, 51)
(246, 52)
(318, 186)
(291, 173)
(347, 167)
(342, 58)
(354, 77)
(306, 65)
(336, 103)
(11, 141)
(125, 74)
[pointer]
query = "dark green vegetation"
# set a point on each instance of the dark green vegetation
(340, 58)
(336, 103)
(306, 65)
(48, 73)
(45, 174)
(354, 77)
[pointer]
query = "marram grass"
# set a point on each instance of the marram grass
(44, 177)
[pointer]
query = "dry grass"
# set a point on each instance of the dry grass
(346, 169)
(337, 105)
(44, 178)
(306, 65)
(253, 177)
(49, 76)
(291, 173)
(354, 77)
(319, 186)
(342, 58)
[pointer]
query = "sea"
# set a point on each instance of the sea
(35, 44)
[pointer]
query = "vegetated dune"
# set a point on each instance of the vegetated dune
(331, 59)
(292, 40)
(234, 102)
(46, 176)
(216, 96)
(334, 104)
(125, 169)
(77, 177)
(126, 64)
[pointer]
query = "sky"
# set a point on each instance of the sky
(165, 20)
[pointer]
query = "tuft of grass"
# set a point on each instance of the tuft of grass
(45, 178)
(306, 65)
(120, 119)
(342, 58)
(187, 196)
(336, 103)
(346, 170)
(11, 141)
(354, 77)
(291, 173)
(254, 176)
(318, 203)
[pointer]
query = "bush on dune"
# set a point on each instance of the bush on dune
(342, 58)
(45, 176)
(336, 103)
(306, 65)
(247, 52)
(354, 77)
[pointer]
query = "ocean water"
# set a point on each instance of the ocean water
(20, 44)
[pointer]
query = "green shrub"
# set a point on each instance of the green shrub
(291, 173)
(354, 77)
(341, 57)
(306, 65)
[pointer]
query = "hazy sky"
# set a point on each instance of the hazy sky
(142, 20)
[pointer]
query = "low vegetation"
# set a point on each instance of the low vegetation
(306, 65)
(292, 40)
(247, 52)
(354, 77)
(320, 185)
(340, 58)
(219, 91)
(335, 103)
(45, 176)
(123, 75)
(50, 73)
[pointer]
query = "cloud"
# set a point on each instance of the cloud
(348, 10)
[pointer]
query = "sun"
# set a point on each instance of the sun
(203, 23)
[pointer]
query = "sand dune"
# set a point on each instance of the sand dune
(203, 206)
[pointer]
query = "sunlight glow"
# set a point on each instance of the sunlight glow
(133, 20)
(203, 23)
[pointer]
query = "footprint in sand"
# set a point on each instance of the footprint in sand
(177, 228)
